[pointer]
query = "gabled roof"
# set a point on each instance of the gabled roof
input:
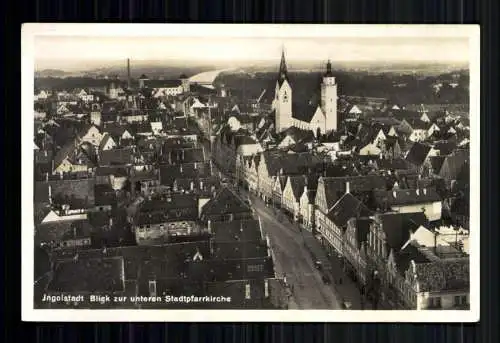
(236, 231)
(453, 164)
(397, 227)
(346, 208)
(404, 257)
(402, 197)
(62, 230)
(418, 153)
(443, 275)
(297, 184)
(436, 162)
(94, 275)
(225, 201)
(304, 112)
(111, 157)
(105, 139)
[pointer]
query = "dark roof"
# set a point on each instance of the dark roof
(443, 275)
(104, 195)
(298, 163)
(392, 164)
(436, 163)
(418, 153)
(346, 208)
(299, 135)
(163, 83)
(167, 202)
(453, 164)
(404, 257)
(93, 275)
(236, 230)
(303, 112)
(335, 187)
(116, 157)
(110, 170)
(297, 183)
(402, 197)
(78, 193)
(397, 227)
(170, 173)
(105, 138)
(225, 202)
(59, 231)
(239, 250)
(362, 229)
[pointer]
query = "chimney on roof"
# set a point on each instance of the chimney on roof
(201, 184)
(191, 185)
(347, 187)
(417, 191)
(110, 222)
(209, 226)
(50, 192)
(425, 191)
(394, 194)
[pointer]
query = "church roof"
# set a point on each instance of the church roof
(303, 112)
(283, 71)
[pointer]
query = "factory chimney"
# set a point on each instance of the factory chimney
(128, 73)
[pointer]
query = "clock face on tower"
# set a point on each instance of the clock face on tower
(285, 97)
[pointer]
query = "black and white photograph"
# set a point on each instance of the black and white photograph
(303, 172)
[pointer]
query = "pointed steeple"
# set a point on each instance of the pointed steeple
(283, 72)
(328, 69)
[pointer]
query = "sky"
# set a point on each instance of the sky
(57, 51)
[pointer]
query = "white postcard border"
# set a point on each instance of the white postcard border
(29, 31)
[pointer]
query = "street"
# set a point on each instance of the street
(293, 260)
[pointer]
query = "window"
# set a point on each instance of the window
(460, 300)
(247, 291)
(434, 302)
(255, 268)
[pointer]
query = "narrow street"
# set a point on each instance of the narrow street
(294, 261)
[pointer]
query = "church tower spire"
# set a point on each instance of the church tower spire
(283, 72)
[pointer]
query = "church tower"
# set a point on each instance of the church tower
(282, 103)
(329, 99)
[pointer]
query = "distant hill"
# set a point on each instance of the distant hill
(403, 89)
(52, 73)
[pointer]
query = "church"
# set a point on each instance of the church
(321, 117)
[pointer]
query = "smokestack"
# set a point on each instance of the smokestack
(128, 73)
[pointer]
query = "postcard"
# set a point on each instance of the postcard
(310, 173)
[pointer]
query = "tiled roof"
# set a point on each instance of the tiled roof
(162, 83)
(335, 187)
(362, 230)
(397, 227)
(444, 275)
(116, 157)
(298, 163)
(402, 197)
(453, 164)
(104, 195)
(299, 135)
(392, 164)
(236, 230)
(170, 173)
(436, 162)
(297, 183)
(303, 112)
(239, 250)
(77, 192)
(346, 208)
(62, 230)
(418, 153)
(110, 170)
(404, 257)
(225, 202)
(167, 202)
(93, 275)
